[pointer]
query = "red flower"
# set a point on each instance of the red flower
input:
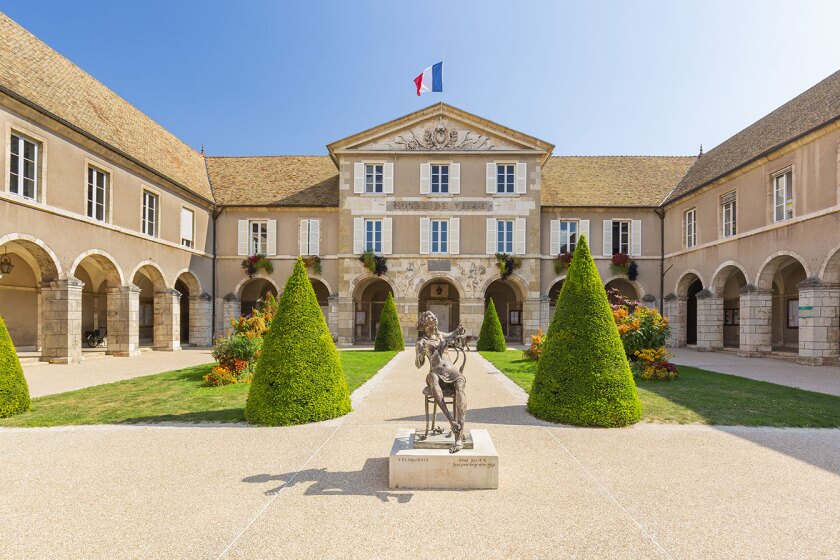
(621, 259)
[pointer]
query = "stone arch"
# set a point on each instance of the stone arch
(520, 284)
(153, 271)
(508, 303)
(446, 307)
(687, 279)
(722, 274)
(369, 294)
(438, 276)
(190, 280)
(237, 291)
(322, 293)
(108, 263)
(361, 280)
(101, 312)
(772, 264)
(830, 269)
(48, 266)
(640, 290)
(322, 281)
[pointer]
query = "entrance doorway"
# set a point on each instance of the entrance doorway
(441, 298)
(368, 302)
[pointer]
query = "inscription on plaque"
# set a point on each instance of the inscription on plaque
(440, 205)
(440, 266)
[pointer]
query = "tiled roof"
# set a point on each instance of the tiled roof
(815, 107)
(274, 180)
(35, 72)
(611, 180)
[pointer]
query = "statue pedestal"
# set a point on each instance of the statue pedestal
(409, 467)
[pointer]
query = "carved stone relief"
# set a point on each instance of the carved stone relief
(472, 276)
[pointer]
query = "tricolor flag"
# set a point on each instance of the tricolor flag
(431, 79)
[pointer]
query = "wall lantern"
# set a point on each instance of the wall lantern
(6, 265)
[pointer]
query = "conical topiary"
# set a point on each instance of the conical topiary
(389, 334)
(14, 392)
(583, 377)
(491, 338)
(298, 377)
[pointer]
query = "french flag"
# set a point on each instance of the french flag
(431, 79)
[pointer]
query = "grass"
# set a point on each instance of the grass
(173, 396)
(698, 396)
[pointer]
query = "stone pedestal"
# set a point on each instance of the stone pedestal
(167, 317)
(61, 319)
(675, 309)
(201, 319)
(819, 322)
(756, 321)
(709, 321)
(123, 321)
(438, 468)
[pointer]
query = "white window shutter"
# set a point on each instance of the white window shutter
(388, 178)
(243, 238)
(521, 177)
(454, 236)
(455, 178)
(607, 252)
(425, 235)
(386, 236)
(491, 236)
(358, 178)
(636, 238)
(554, 243)
(186, 224)
(425, 178)
(519, 237)
(358, 235)
(583, 229)
(491, 178)
(271, 245)
(303, 234)
(314, 237)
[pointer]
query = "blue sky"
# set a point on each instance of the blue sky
(262, 77)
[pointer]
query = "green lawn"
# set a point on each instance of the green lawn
(703, 397)
(174, 396)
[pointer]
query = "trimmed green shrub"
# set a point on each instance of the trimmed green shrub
(14, 392)
(583, 377)
(389, 334)
(298, 378)
(491, 338)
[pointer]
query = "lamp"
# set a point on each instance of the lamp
(6, 265)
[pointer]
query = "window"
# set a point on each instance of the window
(97, 193)
(504, 236)
(440, 179)
(620, 237)
(373, 177)
(440, 236)
(728, 214)
(568, 236)
(259, 237)
(23, 167)
(150, 213)
(187, 232)
(690, 221)
(505, 178)
(373, 235)
(783, 196)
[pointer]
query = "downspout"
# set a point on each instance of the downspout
(661, 213)
(216, 213)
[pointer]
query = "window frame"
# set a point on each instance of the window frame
(192, 232)
(156, 221)
(788, 204)
(374, 174)
(626, 242)
(442, 240)
(106, 192)
(511, 175)
(729, 226)
(570, 247)
(22, 140)
(508, 240)
(690, 237)
(373, 242)
(440, 175)
(262, 237)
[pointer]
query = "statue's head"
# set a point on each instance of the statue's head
(427, 323)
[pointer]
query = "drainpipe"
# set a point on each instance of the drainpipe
(216, 213)
(661, 213)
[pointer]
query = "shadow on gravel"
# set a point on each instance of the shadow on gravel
(371, 480)
(512, 415)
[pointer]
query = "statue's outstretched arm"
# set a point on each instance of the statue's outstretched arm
(420, 354)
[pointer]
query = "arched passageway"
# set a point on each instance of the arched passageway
(440, 296)
(368, 300)
(553, 294)
(160, 309)
(253, 293)
(508, 302)
(102, 280)
(727, 285)
(322, 294)
(786, 274)
(623, 288)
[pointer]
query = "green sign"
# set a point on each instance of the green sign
(805, 307)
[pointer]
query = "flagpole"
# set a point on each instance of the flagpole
(442, 66)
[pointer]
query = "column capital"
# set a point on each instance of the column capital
(752, 289)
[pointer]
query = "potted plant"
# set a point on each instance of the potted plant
(377, 264)
(312, 262)
(507, 264)
(562, 262)
(255, 262)
(621, 263)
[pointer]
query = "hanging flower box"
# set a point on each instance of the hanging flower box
(507, 264)
(562, 262)
(256, 262)
(312, 262)
(622, 264)
(377, 264)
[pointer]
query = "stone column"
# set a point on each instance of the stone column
(819, 322)
(201, 319)
(231, 311)
(709, 321)
(332, 315)
(167, 317)
(472, 314)
(545, 313)
(123, 321)
(756, 321)
(407, 311)
(346, 321)
(61, 319)
(675, 308)
(530, 319)
(649, 300)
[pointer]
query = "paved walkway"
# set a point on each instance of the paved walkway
(822, 379)
(321, 491)
(46, 379)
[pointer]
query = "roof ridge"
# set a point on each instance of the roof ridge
(620, 156)
(271, 156)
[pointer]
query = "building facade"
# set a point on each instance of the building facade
(107, 221)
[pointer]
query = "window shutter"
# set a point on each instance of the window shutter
(554, 242)
(521, 177)
(425, 178)
(358, 235)
(386, 236)
(636, 238)
(358, 178)
(491, 178)
(243, 238)
(186, 224)
(583, 229)
(271, 246)
(455, 178)
(388, 178)
(314, 237)
(519, 237)
(454, 235)
(491, 236)
(607, 238)
(303, 234)
(425, 235)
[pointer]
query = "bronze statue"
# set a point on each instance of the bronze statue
(443, 375)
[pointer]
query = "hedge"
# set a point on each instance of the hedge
(389, 334)
(491, 338)
(583, 376)
(298, 377)
(14, 392)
